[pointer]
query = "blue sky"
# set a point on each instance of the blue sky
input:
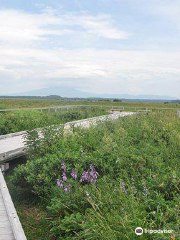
(102, 46)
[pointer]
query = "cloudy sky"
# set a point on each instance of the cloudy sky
(96, 46)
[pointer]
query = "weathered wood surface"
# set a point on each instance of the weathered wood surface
(13, 145)
(10, 226)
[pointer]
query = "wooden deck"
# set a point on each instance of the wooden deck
(13, 145)
(10, 226)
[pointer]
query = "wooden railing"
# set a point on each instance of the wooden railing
(110, 107)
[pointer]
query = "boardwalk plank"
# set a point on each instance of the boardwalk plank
(7, 237)
(10, 226)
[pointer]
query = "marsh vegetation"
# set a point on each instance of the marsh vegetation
(103, 182)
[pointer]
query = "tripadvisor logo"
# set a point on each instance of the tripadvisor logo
(138, 231)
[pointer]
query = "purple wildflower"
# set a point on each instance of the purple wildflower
(60, 183)
(84, 176)
(64, 177)
(63, 166)
(67, 187)
(90, 175)
(74, 173)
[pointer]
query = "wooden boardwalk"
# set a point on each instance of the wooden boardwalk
(10, 226)
(13, 145)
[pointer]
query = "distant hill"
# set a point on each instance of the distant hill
(55, 91)
(58, 92)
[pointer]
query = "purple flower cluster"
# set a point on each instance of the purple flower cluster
(64, 176)
(67, 187)
(61, 182)
(90, 175)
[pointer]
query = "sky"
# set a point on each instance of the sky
(95, 46)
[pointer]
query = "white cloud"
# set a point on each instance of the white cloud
(17, 26)
(28, 62)
(93, 70)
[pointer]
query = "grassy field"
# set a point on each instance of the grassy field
(103, 182)
(29, 103)
(32, 103)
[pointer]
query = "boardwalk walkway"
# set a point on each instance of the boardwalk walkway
(10, 226)
(13, 146)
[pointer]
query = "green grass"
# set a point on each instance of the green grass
(29, 103)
